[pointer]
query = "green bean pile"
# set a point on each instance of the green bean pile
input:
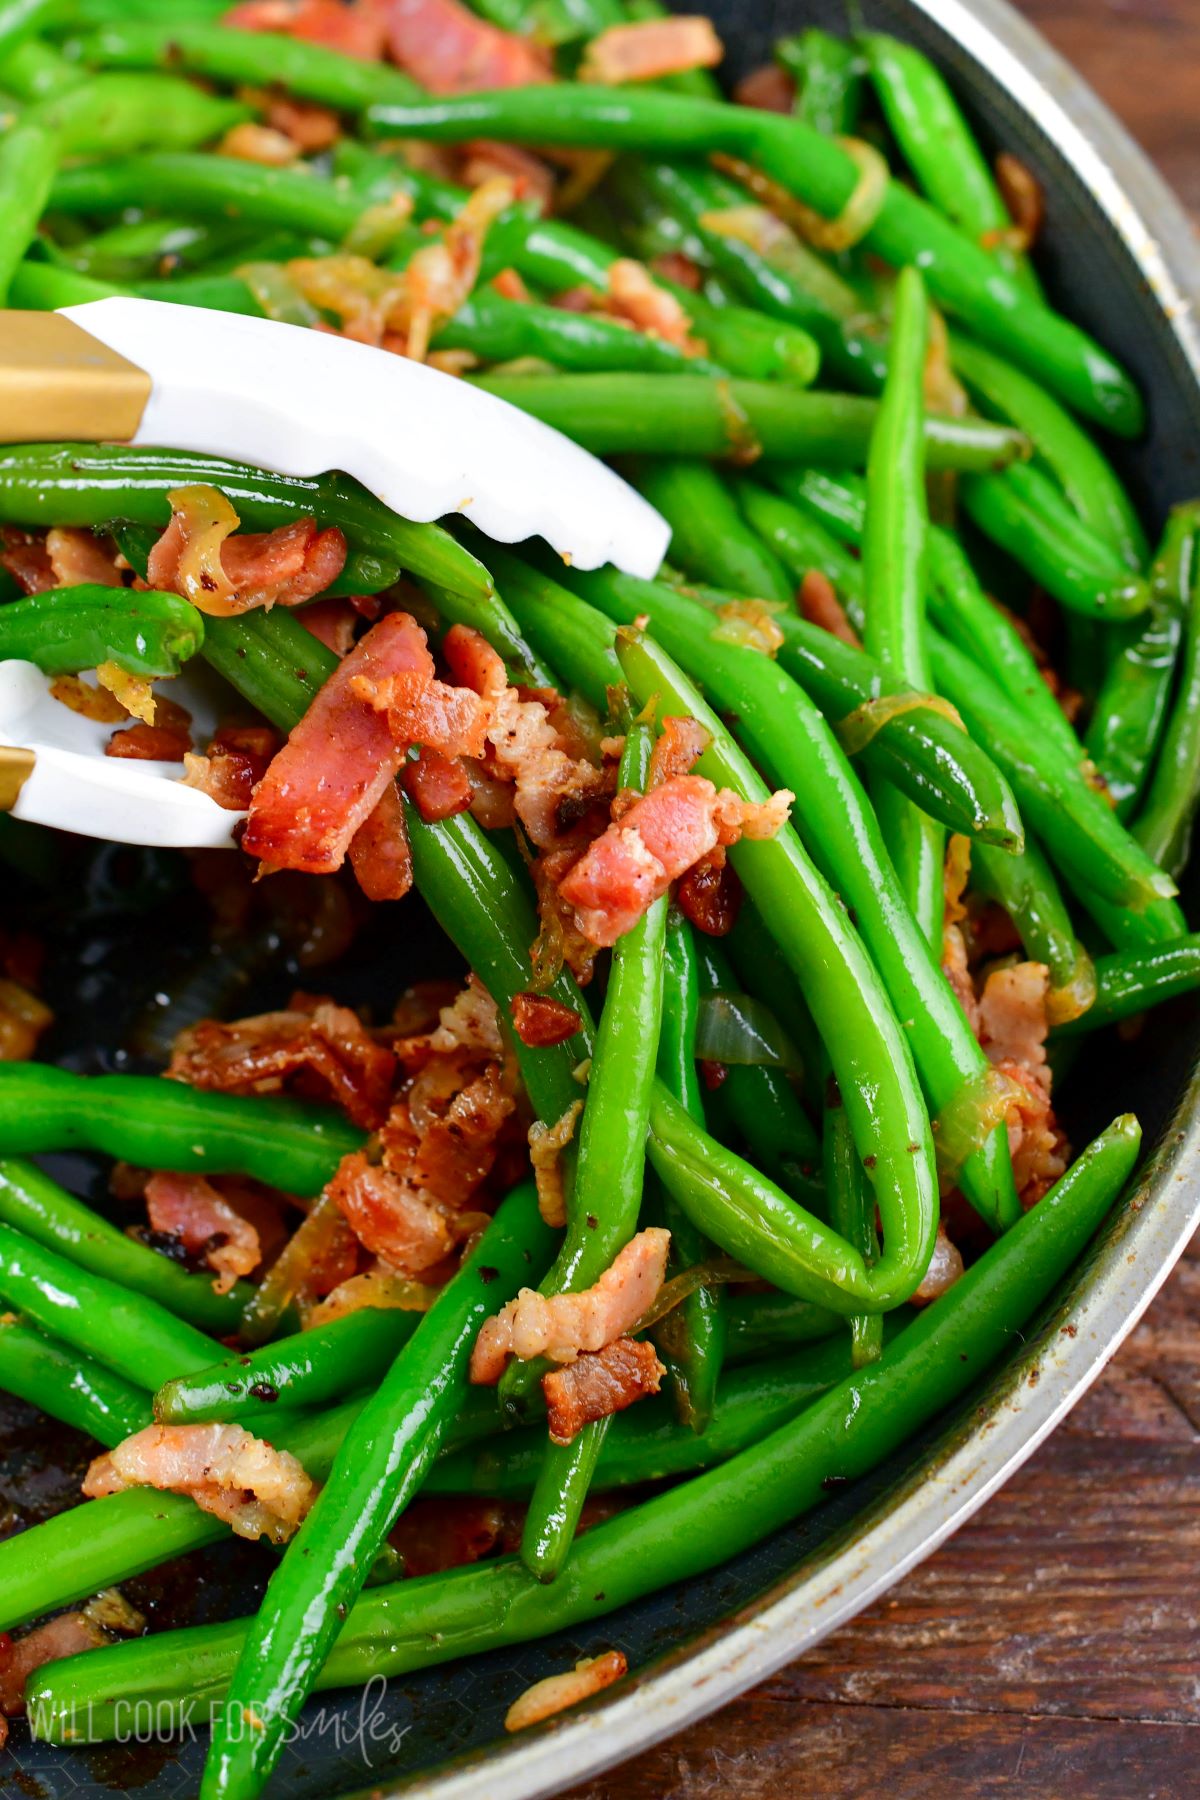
(872, 405)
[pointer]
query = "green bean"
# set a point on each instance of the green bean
(851, 1207)
(159, 1124)
(248, 58)
(500, 330)
(762, 1323)
(1025, 887)
(557, 1499)
(1023, 512)
(695, 415)
(766, 975)
(43, 287)
(64, 630)
(1132, 704)
(964, 278)
(894, 586)
(750, 343)
(1130, 981)
(307, 1369)
(940, 149)
(33, 71)
(28, 159)
(126, 1331)
(693, 1347)
(69, 1386)
(666, 1540)
(1092, 849)
(797, 539)
(142, 248)
(32, 1203)
(1163, 826)
(603, 1212)
(378, 1468)
(708, 537)
(579, 643)
(646, 1443)
(1081, 470)
(222, 186)
(761, 1105)
(118, 115)
(19, 19)
(102, 485)
(828, 77)
(789, 738)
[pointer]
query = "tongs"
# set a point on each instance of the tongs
(296, 402)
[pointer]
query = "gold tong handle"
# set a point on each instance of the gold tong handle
(57, 383)
(16, 766)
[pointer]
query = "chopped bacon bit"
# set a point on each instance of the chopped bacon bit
(485, 159)
(78, 556)
(509, 284)
(559, 942)
(599, 1384)
(546, 1144)
(539, 1020)
(238, 758)
(945, 1267)
(820, 605)
(323, 1049)
(332, 623)
(557, 1692)
(420, 709)
(663, 834)
(769, 89)
(339, 759)
(709, 895)
(310, 127)
(95, 703)
(562, 1325)
(491, 802)
(25, 556)
(355, 30)
(470, 1022)
(673, 265)
(1012, 1018)
(224, 574)
(650, 49)
(676, 748)
(258, 1490)
(438, 786)
(70, 1634)
(388, 1218)
(23, 1019)
(633, 294)
(1038, 1146)
(450, 50)
(1023, 197)
(189, 1208)
(252, 142)
(433, 1535)
(379, 851)
(955, 956)
(153, 743)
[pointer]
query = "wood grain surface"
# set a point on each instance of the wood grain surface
(1051, 1650)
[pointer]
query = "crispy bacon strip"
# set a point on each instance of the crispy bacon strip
(664, 833)
(945, 1267)
(770, 89)
(598, 1384)
(202, 556)
(557, 1692)
(562, 1325)
(69, 1635)
(332, 623)
(153, 743)
(258, 1490)
(388, 1216)
(677, 747)
(324, 1048)
(237, 759)
(190, 1208)
(438, 786)
(339, 760)
(355, 30)
(450, 50)
(709, 894)
(820, 605)
(379, 850)
(633, 294)
(78, 556)
(539, 1020)
(650, 49)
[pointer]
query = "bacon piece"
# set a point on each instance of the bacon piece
(470, 1022)
(1012, 1018)
(445, 1533)
(78, 556)
(770, 89)
(355, 30)
(27, 560)
(258, 1490)
(681, 741)
(324, 1048)
(443, 1138)
(339, 759)
(599, 1384)
(332, 623)
(650, 49)
(1038, 1146)
(237, 759)
(633, 294)
(95, 703)
(379, 850)
(23, 1019)
(945, 1267)
(69, 1635)
(1023, 198)
(673, 265)
(450, 50)
(539, 1020)
(820, 605)
(152, 743)
(557, 1692)
(664, 833)
(440, 277)
(310, 126)
(222, 571)
(510, 285)
(438, 786)
(189, 1208)
(546, 1145)
(955, 957)
(388, 1217)
(709, 895)
(484, 159)
(562, 1325)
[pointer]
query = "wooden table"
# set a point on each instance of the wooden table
(1052, 1648)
